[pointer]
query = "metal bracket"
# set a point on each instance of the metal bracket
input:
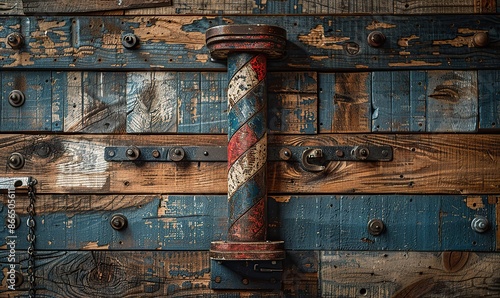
(7, 183)
(246, 275)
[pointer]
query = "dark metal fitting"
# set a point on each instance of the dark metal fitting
(176, 154)
(311, 154)
(376, 227)
(481, 39)
(156, 154)
(16, 98)
(13, 222)
(285, 154)
(43, 150)
(130, 41)
(351, 48)
(339, 153)
(118, 222)
(480, 224)
(218, 279)
(15, 40)
(18, 279)
(361, 152)
(376, 39)
(16, 161)
(133, 153)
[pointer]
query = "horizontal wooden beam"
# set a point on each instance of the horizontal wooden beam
(314, 42)
(183, 222)
(67, 6)
(432, 164)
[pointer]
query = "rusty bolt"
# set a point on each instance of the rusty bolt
(118, 222)
(376, 39)
(176, 154)
(376, 227)
(133, 153)
(361, 153)
(245, 281)
(16, 161)
(481, 39)
(156, 153)
(15, 40)
(13, 223)
(285, 154)
(130, 41)
(16, 98)
(218, 279)
(480, 224)
(339, 153)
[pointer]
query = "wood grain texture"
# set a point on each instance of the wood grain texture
(317, 43)
(106, 274)
(422, 164)
(440, 7)
(489, 99)
(407, 274)
(324, 222)
(11, 7)
(32, 7)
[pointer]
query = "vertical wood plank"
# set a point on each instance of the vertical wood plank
(391, 101)
(418, 100)
(489, 99)
(326, 95)
(452, 101)
(73, 109)
(213, 102)
(292, 102)
(59, 96)
(189, 102)
(352, 102)
(152, 102)
(36, 112)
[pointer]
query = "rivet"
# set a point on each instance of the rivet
(118, 222)
(376, 39)
(133, 153)
(481, 39)
(130, 41)
(376, 227)
(16, 161)
(156, 153)
(218, 279)
(480, 224)
(385, 153)
(111, 153)
(176, 154)
(15, 40)
(245, 281)
(285, 154)
(339, 153)
(16, 98)
(205, 153)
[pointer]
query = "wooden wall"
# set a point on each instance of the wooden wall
(429, 92)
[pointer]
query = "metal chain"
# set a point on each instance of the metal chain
(31, 235)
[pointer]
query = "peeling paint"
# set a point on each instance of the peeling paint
(317, 38)
(459, 41)
(282, 199)
(202, 58)
(95, 245)
(469, 31)
(361, 66)
(377, 25)
(415, 63)
(404, 53)
(404, 41)
(319, 58)
(475, 203)
(20, 59)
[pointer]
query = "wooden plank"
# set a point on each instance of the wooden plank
(146, 274)
(36, 113)
(409, 274)
(489, 99)
(418, 100)
(422, 164)
(68, 6)
(292, 102)
(188, 95)
(214, 102)
(308, 223)
(11, 7)
(319, 43)
(95, 102)
(452, 101)
(436, 6)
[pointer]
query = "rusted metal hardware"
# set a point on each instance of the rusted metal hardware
(176, 154)
(481, 39)
(16, 98)
(13, 182)
(130, 41)
(376, 39)
(16, 161)
(376, 227)
(249, 275)
(133, 153)
(118, 222)
(15, 40)
(16, 222)
(480, 224)
(312, 154)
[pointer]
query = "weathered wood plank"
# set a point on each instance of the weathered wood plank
(186, 222)
(408, 274)
(319, 43)
(292, 102)
(214, 102)
(11, 7)
(489, 99)
(146, 274)
(440, 7)
(68, 6)
(422, 164)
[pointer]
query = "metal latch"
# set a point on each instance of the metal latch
(313, 159)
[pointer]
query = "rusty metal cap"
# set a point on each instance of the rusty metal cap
(225, 39)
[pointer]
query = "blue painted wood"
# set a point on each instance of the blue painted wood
(418, 99)
(314, 42)
(36, 113)
(489, 98)
(183, 222)
(326, 93)
(189, 94)
(59, 99)
(214, 102)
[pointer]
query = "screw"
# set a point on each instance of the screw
(16, 98)
(130, 41)
(481, 39)
(385, 153)
(133, 153)
(176, 154)
(480, 224)
(376, 227)
(218, 279)
(205, 153)
(245, 281)
(118, 222)
(156, 153)
(285, 154)
(339, 153)
(376, 39)
(16, 161)
(177, 151)
(111, 153)
(15, 40)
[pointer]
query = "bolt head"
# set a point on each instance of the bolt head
(481, 39)
(339, 153)
(16, 161)
(156, 153)
(245, 281)
(118, 222)
(218, 279)
(376, 39)
(16, 98)
(376, 227)
(15, 40)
